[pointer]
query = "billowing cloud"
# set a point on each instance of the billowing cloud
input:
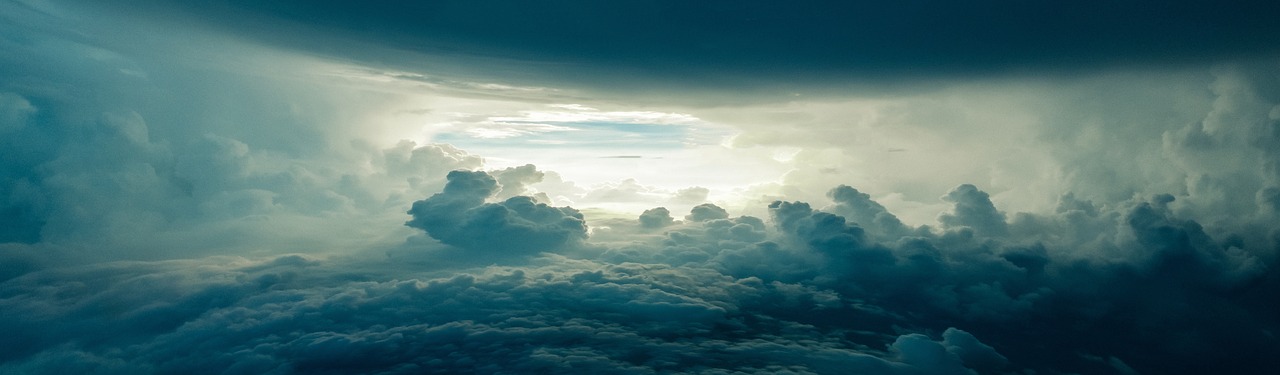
(185, 196)
(514, 181)
(656, 218)
(973, 209)
(858, 208)
(1096, 279)
(460, 216)
(809, 292)
(706, 211)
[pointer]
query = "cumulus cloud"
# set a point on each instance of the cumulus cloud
(515, 181)
(973, 209)
(1086, 276)
(706, 211)
(460, 216)
(420, 165)
(858, 208)
(656, 218)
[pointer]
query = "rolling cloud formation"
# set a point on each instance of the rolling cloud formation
(194, 200)
(1088, 288)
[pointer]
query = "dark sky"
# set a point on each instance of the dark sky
(735, 42)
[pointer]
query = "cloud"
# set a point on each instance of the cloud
(706, 211)
(514, 181)
(460, 216)
(656, 218)
(162, 151)
(420, 164)
(573, 114)
(1117, 270)
(815, 44)
(628, 190)
(696, 194)
(858, 208)
(974, 353)
(156, 187)
(807, 291)
(297, 314)
(973, 209)
(15, 111)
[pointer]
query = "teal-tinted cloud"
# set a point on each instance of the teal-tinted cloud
(728, 43)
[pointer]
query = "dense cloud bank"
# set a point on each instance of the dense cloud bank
(1130, 286)
(293, 314)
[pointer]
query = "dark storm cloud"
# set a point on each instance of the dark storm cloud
(718, 42)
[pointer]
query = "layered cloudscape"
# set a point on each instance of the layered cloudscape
(639, 187)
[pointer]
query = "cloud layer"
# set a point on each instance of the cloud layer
(1098, 288)
(177, 197)
(807, 291)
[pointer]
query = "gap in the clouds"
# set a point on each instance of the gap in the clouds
(595, 148)
(670, 169)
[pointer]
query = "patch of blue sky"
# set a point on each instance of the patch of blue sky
(592, 134)
(627, 127)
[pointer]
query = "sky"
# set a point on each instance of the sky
(639, 187)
